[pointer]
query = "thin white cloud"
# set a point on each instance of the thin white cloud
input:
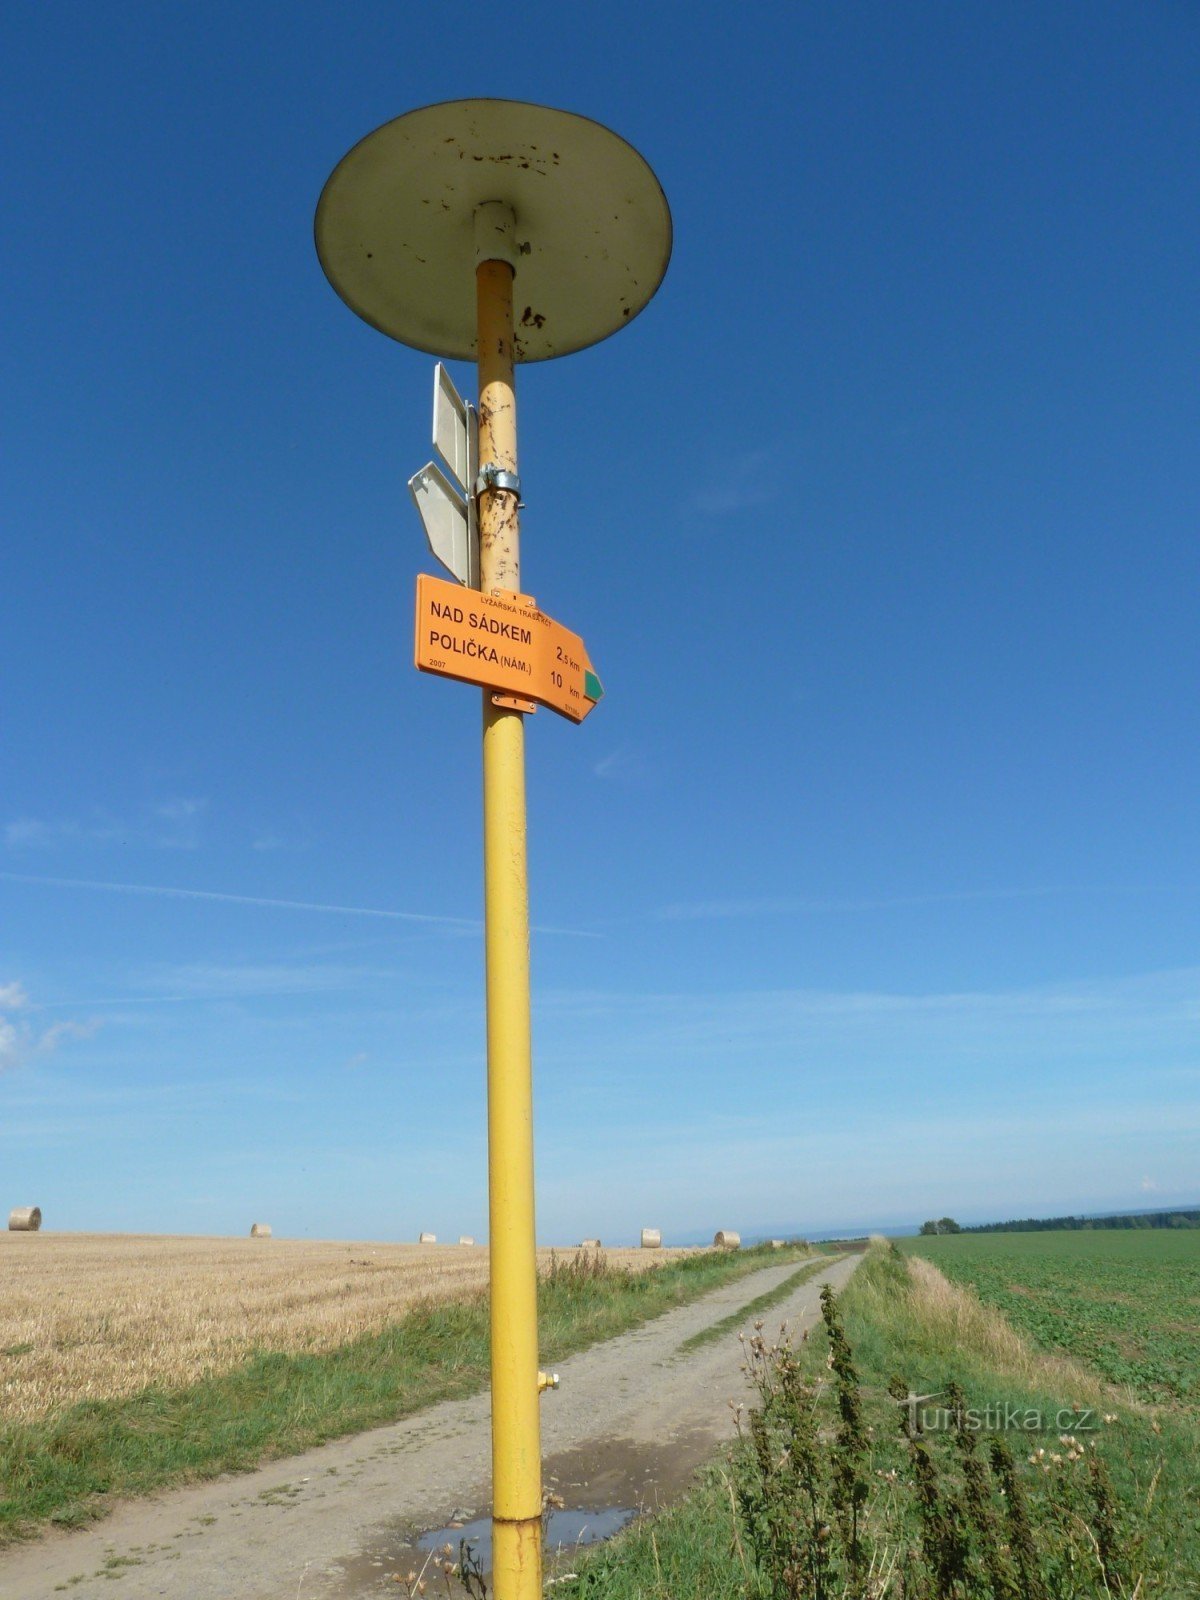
(749, 482)
(168, 891)
(29, 833)
(215, 981)
(175, 824)
(627, 768)
(20, 1041)
(607, 765)
(462, 925)
(899, 1160)
(11, 1046)
(764, 1008)
(900, 1044)
(171, 824)
(58, 1031)
(795, 905)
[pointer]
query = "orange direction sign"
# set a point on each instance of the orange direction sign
(502, 641)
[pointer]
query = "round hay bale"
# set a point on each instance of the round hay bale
(260, 1230)
(466, 1239)
(25, 1219)
(727, 1240)
(589, 1244)
(427, 1238)
(651, 1239)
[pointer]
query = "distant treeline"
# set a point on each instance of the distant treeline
(1140, 1219)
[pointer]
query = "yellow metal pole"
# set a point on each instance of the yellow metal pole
(516, 1432)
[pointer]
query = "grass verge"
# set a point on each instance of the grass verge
(932, 1334)
(764, 1302)
(690, 1551)
(68, 1468)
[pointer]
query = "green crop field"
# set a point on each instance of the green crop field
(1014, 1503)
(1126, 1303)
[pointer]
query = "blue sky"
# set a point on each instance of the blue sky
(869, 892)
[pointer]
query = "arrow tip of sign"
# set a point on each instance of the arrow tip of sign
(592, 687)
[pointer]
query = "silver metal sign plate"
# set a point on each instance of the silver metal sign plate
(443, 513)
(451, 426)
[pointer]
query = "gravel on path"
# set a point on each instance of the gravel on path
(632, 1420)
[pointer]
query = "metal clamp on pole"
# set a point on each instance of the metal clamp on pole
(493, 477)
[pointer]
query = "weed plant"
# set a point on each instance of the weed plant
(1109, 1509)
(837, 1509)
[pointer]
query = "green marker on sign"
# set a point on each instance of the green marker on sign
(592, 687)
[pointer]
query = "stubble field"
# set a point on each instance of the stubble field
(98, 1316)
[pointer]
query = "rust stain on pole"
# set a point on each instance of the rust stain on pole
(517, 1556)
(499, 524)
(516, 1429)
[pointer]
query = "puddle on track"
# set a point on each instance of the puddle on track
(606, 1484)
(565, 1531)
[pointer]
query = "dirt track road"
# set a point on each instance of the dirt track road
(632, 1420)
